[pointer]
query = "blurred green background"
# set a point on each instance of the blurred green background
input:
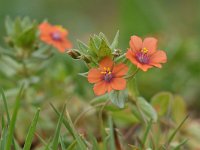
(174, 22)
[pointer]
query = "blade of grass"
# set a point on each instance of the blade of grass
(3, 138)
(5, 105)
(94, 142)
(31, 131)
(149, 124)
(177, 129)
(57, 133)
(47, 145)
(2, 122)
(13, 120)
(64, 121)
(112, 140)
(72, 145)
(181, 144)
(81, 143)
(69, 125)
(62, 143)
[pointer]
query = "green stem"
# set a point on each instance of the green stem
(86, 111)
(133, 74)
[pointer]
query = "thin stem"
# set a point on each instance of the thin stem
(141, 114)
(85, 112)
(103, 134)
(133, 74)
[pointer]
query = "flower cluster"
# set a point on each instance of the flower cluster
(107, 71)
(143, 54)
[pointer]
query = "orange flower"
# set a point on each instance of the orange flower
(108, 76)
(54, 35)
(144, 54)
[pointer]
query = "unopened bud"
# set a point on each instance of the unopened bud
(117, 52)
(85, 58)
(74, 53)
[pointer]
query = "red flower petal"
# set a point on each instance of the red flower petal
(106, 62)
(118, 83)
(157, 58)
(119, 70)
(100, 88)
(150, 44)
(131, 56)
(94, 76)
(135, 43)
(144, 67)
(46, 31)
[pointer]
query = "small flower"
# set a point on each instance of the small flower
(108, 76)
(54, 35)
(144, 54)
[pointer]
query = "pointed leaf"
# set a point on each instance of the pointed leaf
(147, 109)
(115, 42)
(162, 102)
(13, 120)
(104, 49)
(118, 97)
(55, 141)
(31, 131)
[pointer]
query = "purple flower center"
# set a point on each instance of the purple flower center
(56, 36)
(107, 74)
(142, 57)
(108, 77)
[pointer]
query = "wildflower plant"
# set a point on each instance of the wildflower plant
(109, 66)
(112, 73)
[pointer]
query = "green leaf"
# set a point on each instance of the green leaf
(118, 97)
(115, 42)
(180, 105)
(13, 120)
(27, 38)
(9, 26)
(17, 27)
(31, 131)
(162, 102)
(147, 109)
(99, 99)
(104, 50)
(135, 112)
(83, 47)
(85, 74)
(103, 37)
(93, 47)
(124, 117)
(55, 141)
(97, 41)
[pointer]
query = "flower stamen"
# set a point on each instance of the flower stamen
(107, 74)
(144, 50)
